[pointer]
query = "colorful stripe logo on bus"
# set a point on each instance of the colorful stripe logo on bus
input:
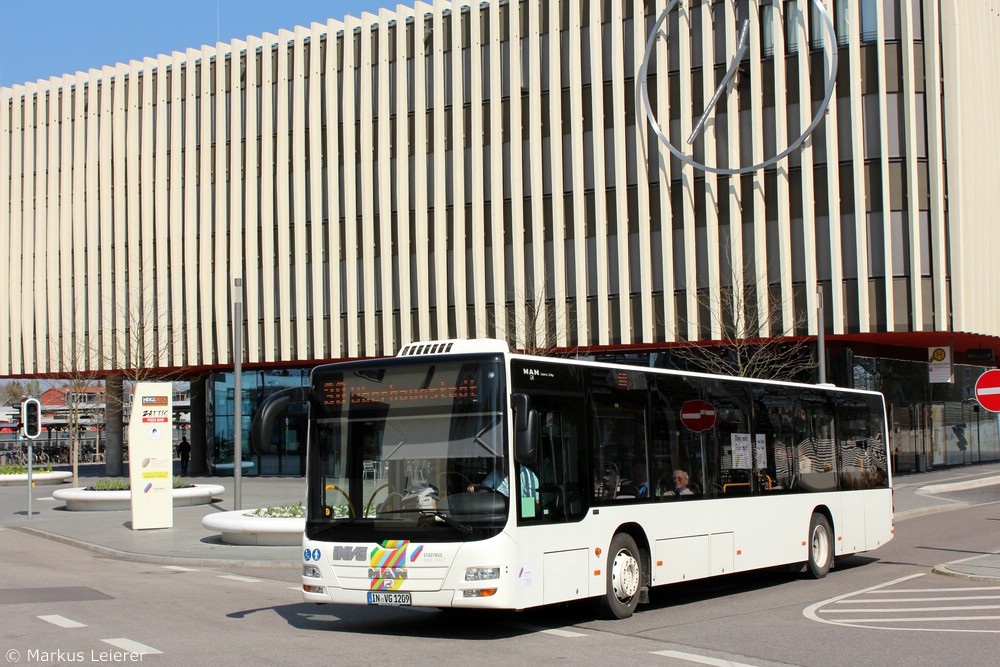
(387, 565)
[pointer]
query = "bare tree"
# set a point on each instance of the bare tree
(540, 328)
(138, 354)
(736, 312)
(12, 392)
(80, 383)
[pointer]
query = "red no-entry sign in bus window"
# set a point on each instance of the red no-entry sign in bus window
(698, 415)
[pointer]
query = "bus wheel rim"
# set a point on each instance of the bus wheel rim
(820, 546)
(625, 575)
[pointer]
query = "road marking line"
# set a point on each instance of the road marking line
(939, 590)
(904, 610)
(236, 577)
(810, 612)
(700, 659)
(131, 646)
(943, 597)
(548, 631)
(180, 568)
(319, 617)
(925, 618)
(562, 633)
(62, 621)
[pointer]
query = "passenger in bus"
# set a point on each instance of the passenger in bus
(497, 481)
(641, 484)
(679, 485)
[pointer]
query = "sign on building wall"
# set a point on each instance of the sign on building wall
(940, 365)
(150, 455)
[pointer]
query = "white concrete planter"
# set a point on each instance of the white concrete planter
(82, 500)
(38, 478)
(238, 528)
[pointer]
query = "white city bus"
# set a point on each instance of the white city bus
(401, 509)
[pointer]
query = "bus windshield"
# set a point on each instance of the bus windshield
(399, 447)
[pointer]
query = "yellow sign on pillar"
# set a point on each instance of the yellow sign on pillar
(150, 455)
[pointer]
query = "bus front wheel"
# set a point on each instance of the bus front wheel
(624, 577)
(820, 547)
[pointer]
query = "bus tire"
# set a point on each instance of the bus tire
(624, 577)
(820, 547)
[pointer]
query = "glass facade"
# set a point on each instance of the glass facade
(291, 443)
(930, 425)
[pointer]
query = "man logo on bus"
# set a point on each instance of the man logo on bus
(387, 565)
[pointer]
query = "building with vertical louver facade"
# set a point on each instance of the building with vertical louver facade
(454, 170)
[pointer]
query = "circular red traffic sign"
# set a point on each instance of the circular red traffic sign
(988, 390)
(698, 415)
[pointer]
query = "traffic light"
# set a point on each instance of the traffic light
(31, 418)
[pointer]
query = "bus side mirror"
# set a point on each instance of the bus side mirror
(525, 430)
(268, 411)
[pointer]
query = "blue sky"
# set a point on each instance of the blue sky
(43, 38)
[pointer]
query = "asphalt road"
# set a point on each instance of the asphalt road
(61, 605)
(65, 604)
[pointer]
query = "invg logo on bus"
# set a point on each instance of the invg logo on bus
(350, 553)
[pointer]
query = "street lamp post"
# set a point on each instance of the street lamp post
(31, 458)
(820, 341)
(237, 393)
(979, 439)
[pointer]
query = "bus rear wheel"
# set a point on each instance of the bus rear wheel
(820, 547)
(624, 577)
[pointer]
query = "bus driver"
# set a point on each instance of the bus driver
(497, 481)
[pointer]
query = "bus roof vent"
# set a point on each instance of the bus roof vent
(453, 347)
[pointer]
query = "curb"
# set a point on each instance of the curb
(924, 511)
(932, 489)
(946, 571)
(154, 559)
(953, 569)
(959, 486)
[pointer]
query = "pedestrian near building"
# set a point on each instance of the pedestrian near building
(184, 450)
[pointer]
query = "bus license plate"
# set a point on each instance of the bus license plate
(389, 599)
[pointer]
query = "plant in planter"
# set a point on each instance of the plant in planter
(296, 511)
(123, 484)
(12, 469)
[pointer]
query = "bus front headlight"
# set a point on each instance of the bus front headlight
(482, 573)
(310, 571)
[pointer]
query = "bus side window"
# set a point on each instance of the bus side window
(560, 456)
(550, 494)
(816, 446)
(859, 440)
(773, 418)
